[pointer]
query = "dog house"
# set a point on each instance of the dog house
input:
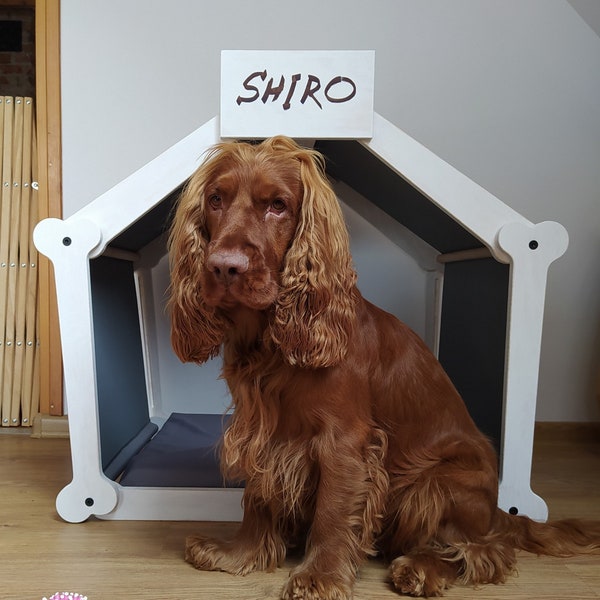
(132, 459)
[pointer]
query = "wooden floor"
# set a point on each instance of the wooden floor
(40, 554)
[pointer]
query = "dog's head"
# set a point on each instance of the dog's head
(258, 227)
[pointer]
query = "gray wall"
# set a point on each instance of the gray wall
(506, 91)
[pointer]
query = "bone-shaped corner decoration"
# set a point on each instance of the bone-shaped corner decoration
(540, 244)
(59, 240)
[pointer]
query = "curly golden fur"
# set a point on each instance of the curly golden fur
(348, 434)
(314, 310)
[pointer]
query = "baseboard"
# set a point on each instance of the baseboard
(558, 431)
(48, 426)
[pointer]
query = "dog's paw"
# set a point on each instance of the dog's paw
(207, 554)
(315, 586)
(204, 553)
(412, 577)
(238, 557)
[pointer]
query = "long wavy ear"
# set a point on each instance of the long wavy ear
(316, 309)
(196, 329)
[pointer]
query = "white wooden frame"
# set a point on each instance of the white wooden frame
(71, 243)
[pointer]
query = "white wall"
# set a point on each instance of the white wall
(506, 91)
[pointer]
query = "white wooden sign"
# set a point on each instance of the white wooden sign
(302, 94)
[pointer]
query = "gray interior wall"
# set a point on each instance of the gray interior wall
(507, 92)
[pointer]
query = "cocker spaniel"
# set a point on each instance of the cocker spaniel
(348, 434)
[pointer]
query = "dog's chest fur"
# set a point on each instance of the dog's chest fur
(277, 463)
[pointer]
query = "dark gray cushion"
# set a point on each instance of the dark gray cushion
(184, 453)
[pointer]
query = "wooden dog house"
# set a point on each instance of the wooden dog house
(493, 265)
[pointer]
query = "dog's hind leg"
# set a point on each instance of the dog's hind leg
(438, 529)
(429, 571)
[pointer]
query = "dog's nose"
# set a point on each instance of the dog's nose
(227, 264)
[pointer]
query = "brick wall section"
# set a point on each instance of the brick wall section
(17, 69)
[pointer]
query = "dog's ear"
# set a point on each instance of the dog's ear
(316, 309)
(196, 329)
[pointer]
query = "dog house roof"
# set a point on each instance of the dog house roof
(414, 186)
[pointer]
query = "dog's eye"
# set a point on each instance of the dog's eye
(214, 201)
(278, 205)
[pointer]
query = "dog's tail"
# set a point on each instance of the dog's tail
(567, 537)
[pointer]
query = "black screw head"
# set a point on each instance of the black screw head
(513, 510)
(533, 244)
(67, 241)
(89, 502)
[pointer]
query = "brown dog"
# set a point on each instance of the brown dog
(349, 435)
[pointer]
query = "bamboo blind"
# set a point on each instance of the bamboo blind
(19, 362)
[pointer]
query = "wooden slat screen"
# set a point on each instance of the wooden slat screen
(19, 363)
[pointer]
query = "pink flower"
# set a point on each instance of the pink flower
(66, 596)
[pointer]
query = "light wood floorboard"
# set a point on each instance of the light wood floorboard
(40, 554)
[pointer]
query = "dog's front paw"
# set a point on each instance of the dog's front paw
(316, 586)
(238, 557)
(418, 576)
(204, 553)
(208, 554)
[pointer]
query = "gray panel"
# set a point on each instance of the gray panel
(473, 337)
(352, 163)
(120, 375)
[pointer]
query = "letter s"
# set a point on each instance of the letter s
(251, 88)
